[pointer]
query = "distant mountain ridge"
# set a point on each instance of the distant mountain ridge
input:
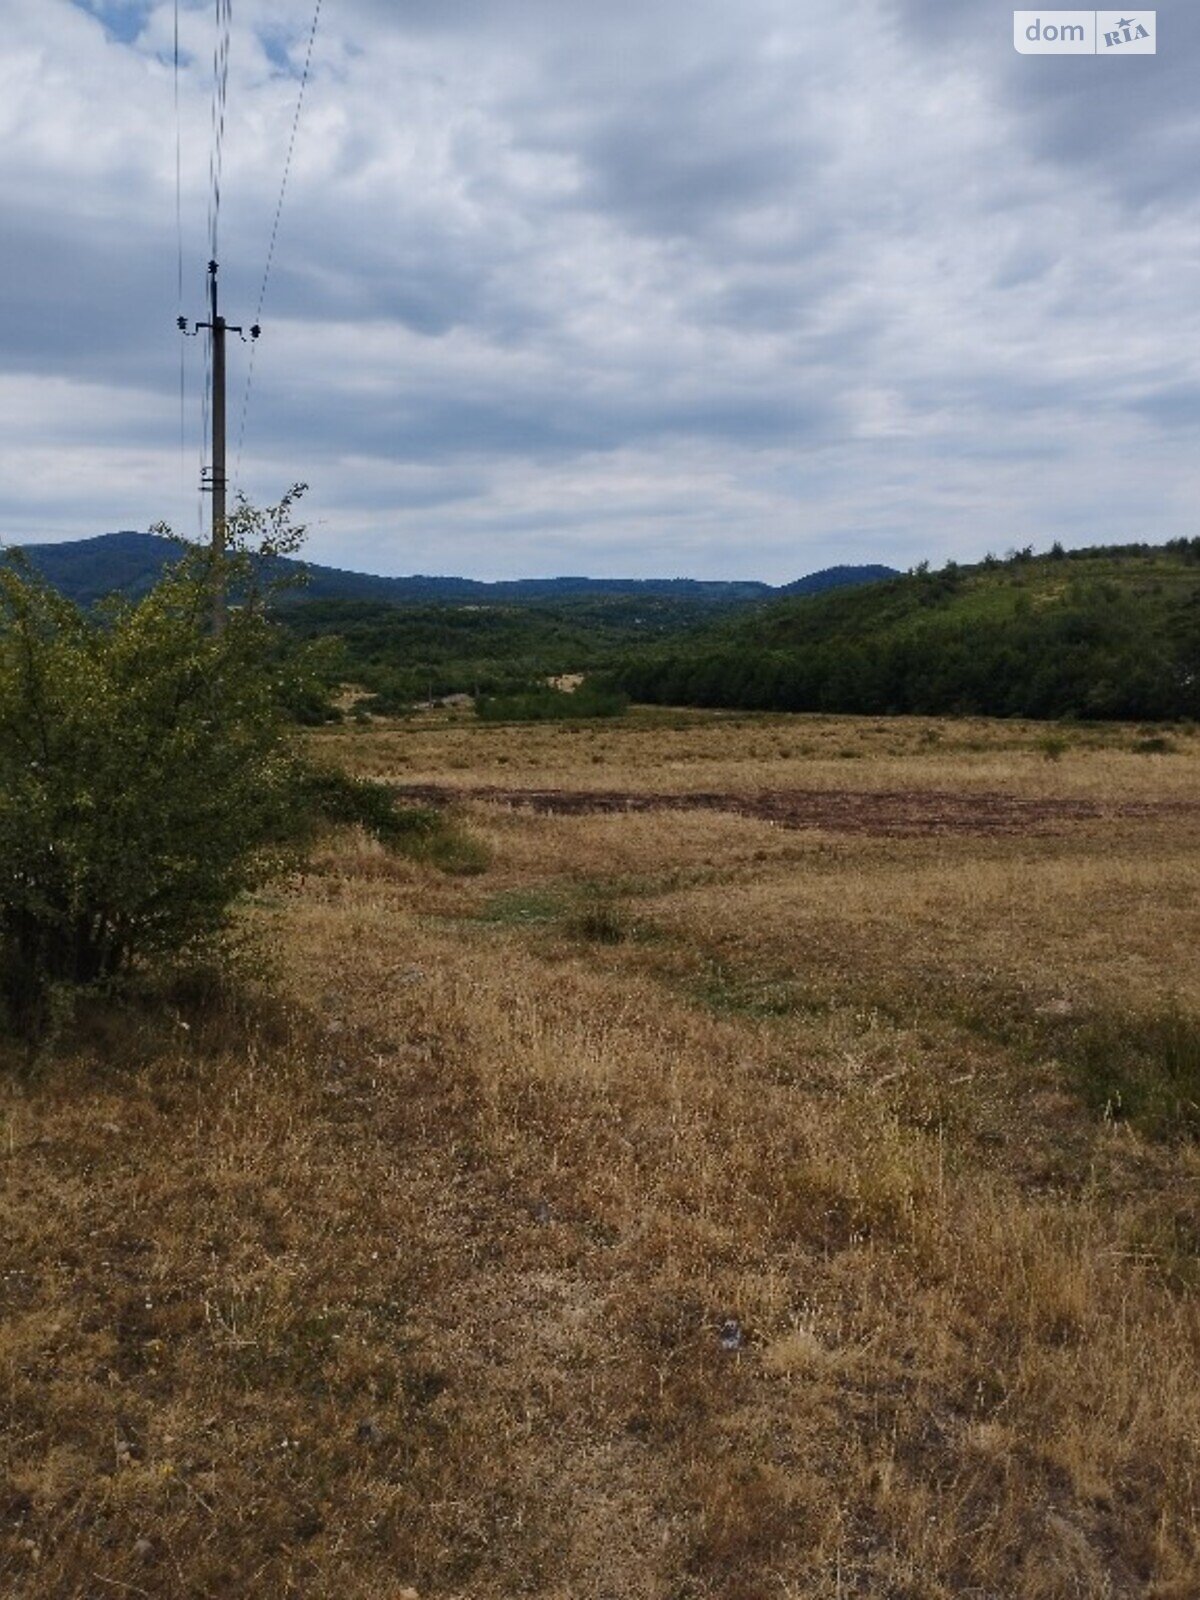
(85, 570)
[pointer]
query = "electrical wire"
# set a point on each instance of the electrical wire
(237, 469)
(266, 277)
(179, 258)
(287, 165)
(220, 98)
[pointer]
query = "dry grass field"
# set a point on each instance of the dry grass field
(748, 1200)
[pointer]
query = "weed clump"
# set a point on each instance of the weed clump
(599, 921)
(1143, 1070)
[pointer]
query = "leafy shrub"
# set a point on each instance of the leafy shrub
(147, 776)
(335, 798)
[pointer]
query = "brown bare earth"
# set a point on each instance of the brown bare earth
(899, 813)
(785, 1186)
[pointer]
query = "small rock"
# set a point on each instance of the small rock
(143, 1549)
(731, 1334)
(309, 1524)
(1061, 1007)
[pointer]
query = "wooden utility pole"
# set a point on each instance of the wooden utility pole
(217, 325)
(217, 483)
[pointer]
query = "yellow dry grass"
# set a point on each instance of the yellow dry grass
(684, 1207)
(673, 751)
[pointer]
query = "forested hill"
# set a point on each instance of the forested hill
(1107, 632)
(86, 570)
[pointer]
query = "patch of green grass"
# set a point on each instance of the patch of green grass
(728, 992)
(453, 850)
(541, 703)
(593, 911)
(523, 908)
(1144, 1070)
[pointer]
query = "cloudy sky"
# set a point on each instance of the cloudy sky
(640, 287)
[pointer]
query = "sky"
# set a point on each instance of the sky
(641, 288)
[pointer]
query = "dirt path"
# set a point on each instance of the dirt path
(897, 812)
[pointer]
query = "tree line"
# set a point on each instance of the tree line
(1102, 648)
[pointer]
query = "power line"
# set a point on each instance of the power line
(178, 171)
(266, 277)
(179, 253)
(287, 165)
(220, 97)
(237, 471)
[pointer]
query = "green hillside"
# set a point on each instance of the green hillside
(1112, 632)
(402, 654)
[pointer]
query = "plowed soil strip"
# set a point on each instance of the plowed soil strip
(898, 812)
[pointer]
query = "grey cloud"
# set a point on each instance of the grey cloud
(1023, 266)
(1174, 408)
(78, 301)
(685, 153)
(1129, 127)
(588, 276)
(546, 423)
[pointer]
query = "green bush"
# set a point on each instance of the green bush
(335, 797)
(147, 772)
